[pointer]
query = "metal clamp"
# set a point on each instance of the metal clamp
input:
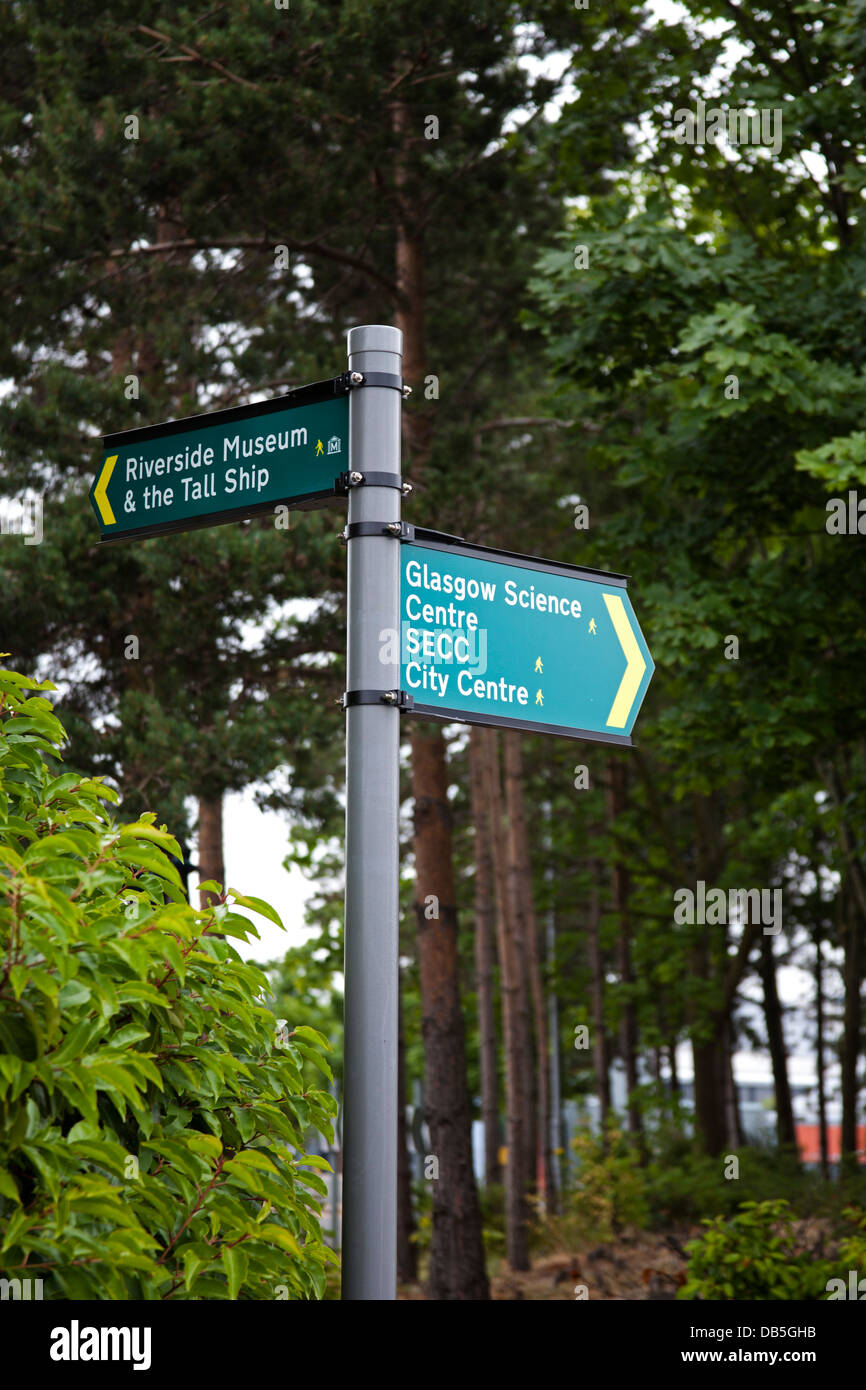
(397, 530)
(353, 478)
(396, 383)
(397, 699)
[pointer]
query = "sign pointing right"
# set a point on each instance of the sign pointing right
(635, 664)
(488, 637)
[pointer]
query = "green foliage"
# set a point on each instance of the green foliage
(752, 1255)
(683, 1186)
(608, 1194)
(852, 1249)
(492, 1201)
(304, 992)
(758, 1254)
(152, 1121)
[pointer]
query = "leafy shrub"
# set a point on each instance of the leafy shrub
(152, 1123)
(608, 1192)
(682, 1189)
(756, 1255)
(852, 1252)
(492, 1202)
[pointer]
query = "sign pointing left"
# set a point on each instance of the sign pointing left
(100, 492)
(231, 464)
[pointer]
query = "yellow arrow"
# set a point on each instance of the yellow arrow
(100, 492)
(635, 664)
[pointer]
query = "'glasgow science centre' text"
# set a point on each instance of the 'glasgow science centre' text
(442, 644)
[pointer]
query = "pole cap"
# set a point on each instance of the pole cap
(374, 337)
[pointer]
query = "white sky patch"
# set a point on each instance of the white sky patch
(255, 844)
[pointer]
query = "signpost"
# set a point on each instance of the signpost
(485, 637)
(488, 637)
(372, 824)
(208, 469)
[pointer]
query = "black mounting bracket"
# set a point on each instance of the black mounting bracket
(352, 380)
(397, 530)
(397, 699)
(352, 478)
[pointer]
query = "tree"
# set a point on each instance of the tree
(716, 378)
(153, 1119)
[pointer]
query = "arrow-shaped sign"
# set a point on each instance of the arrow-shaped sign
(100, 492)
(635, 664)
(236, 463)
(488, 637)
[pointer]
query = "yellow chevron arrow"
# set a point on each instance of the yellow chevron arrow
(100, 492)
(635, 664)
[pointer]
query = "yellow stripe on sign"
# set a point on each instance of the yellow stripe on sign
(635, 664)
(100, 492)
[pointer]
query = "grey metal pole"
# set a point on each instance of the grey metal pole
(372, 847)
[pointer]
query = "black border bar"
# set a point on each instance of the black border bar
(308, 502)
(440, 540)
(314, 394)
(498, 721)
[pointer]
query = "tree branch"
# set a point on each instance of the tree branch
(314, 248)
(198, 57)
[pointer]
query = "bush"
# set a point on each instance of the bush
(152, 1120)
(608, 1190)
(757, 1255)
(682, 1189)
(492, 1201)
(683, 1186)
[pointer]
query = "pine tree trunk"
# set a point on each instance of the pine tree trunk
(617, 790)
(734, 1138)
(710, 1119)
(485, 949)
(555, 1135)
(510, 965)
(521, 866)
(600, 1051)
(785, 1131)
(210, 845)
(456, 1250)
(672, 1062)
(515, 889)
(819, 1044)
(851, 1036)
(852, 901)
(407, 1264)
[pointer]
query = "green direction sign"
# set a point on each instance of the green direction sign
(488, 637)
(235, 463)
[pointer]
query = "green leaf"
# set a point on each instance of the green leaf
(256, 905)
(235, 1265)
(315, 1161)
(303, 1030)
(7, 1186)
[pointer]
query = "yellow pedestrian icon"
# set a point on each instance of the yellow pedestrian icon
(320, 448)
(539, 666)
(592, 626)
(539, 698)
